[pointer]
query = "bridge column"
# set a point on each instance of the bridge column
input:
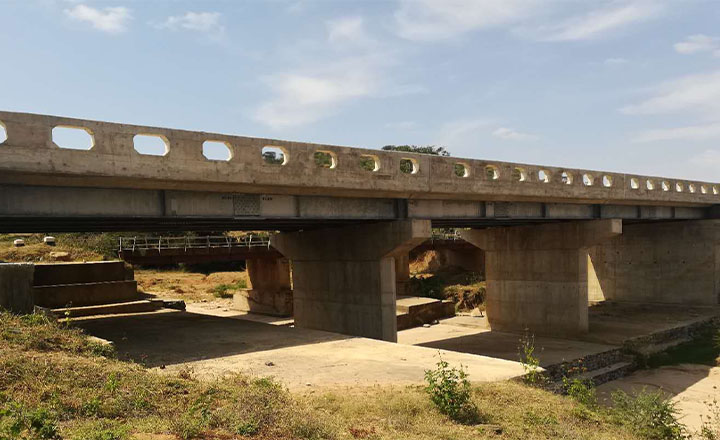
(344, 278)
(671, 263)
(402, 274)
(537, 276)
(270, 292)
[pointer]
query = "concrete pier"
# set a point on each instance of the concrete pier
(344, 278)
(270, 292)
(537, 276)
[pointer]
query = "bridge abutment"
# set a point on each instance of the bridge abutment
(344, 279)
(671, 263)
(537, 276)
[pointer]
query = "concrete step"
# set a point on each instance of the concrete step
(110, 309)
(86, 294)
(413, 311)
(608, 373)
(80, 273)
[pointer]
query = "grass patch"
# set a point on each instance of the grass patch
(56, 384)
(228, 290)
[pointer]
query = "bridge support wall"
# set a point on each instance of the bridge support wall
(675, 263)
(344, 278)
(270, 290)
(537, 276)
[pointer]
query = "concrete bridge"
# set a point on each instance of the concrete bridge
(348, 221)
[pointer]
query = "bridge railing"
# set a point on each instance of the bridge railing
(30, 156)
(160, 243)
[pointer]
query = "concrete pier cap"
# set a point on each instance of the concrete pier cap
(344, 278)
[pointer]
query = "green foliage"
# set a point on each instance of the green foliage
(272, 157)
(529, 360)
(650, 415)
(19, 423)
(582, 391)
(703, 349)
(407, 166)
(428, 287)
(227, 290)
(427, 149)
(449, 390)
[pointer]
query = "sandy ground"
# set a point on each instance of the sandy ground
(189, 286)
(690, 385)
(212, 346)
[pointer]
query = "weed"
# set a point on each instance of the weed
(449, 390)
(710, 428)
(650, 415)
(18, 422)
(227, 290)
(582, 391)
(530, 362)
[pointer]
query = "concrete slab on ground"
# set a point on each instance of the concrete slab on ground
(471, 335)
(214, 346)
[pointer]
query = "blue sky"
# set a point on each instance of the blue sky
(629, 86)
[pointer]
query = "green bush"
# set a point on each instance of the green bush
(449, 390)
(650, 415)
(430, 287)
(20, 423)
(582, 391)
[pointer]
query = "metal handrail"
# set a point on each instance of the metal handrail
(205, 242)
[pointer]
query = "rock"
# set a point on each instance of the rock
(19, 242)
(176, 304)
(269, 364)
(476, 313)
(49, 240)
(435, 322)
(59, 256)
(426, 325)
(490, 429)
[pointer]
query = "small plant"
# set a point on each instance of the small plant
(17, 422)
(530, 362)
(710, 429)
(449, 390)
(650, 415)
(582, 391)
(227, 290)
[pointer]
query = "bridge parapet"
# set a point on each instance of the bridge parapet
(29, 156)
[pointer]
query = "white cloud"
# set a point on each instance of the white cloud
(615, 61)
(402, 125)
(424, 20)
(698, 43)
(690, 133)
(112, 20)
(698, 94)
(348, 31)
(709, 159)
(513, 135)
(206, 22)
(462, 133)
(302, 98)
(601, 21)
(430, 20)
